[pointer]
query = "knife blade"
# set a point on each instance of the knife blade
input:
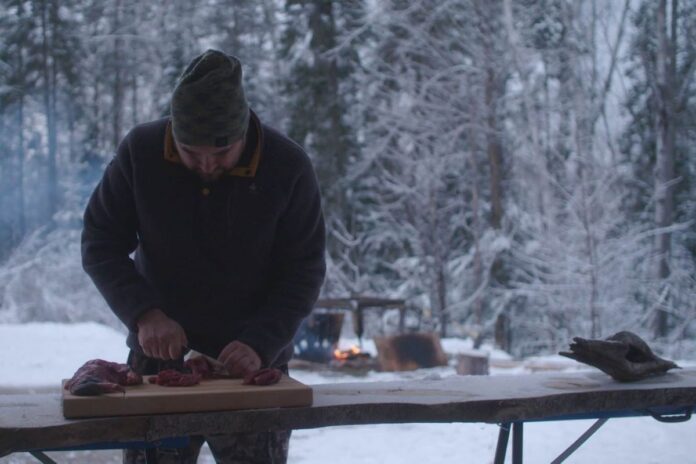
(217, 366)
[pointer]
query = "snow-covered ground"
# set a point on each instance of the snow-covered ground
(36, 356)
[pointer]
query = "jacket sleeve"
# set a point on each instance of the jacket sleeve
(109, 236)
(299, 269)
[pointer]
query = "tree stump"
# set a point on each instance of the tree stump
(472, 364)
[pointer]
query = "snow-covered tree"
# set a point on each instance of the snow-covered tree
(658, 150)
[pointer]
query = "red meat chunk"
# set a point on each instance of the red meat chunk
(207, 370)
(267, 376)
(97, 376)
(172, 378)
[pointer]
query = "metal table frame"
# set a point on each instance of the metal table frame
(665, 415)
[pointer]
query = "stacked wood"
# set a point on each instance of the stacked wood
(408, 352)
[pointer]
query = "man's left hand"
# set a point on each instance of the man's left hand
(239, 359)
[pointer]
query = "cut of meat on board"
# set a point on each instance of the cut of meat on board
(172, 378)
(210, 369)
(267, 376)
(98, 376)
(203, 370)
(195, 369)
(207, 370)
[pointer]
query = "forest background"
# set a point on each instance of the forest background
(519, 171)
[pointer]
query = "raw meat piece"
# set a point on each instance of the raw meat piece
(207, 369)
(199, 365)
(267, 376)
(172, 378)
(98, 376)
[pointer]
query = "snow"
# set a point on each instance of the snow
(37, 355)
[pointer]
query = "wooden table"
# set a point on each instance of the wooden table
(35, 422)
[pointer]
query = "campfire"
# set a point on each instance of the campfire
(354, 352)
(352, 358)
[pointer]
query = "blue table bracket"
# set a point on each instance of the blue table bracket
(682, 415)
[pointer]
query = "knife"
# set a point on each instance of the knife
(218, 367)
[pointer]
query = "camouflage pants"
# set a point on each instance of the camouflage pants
(251, 448)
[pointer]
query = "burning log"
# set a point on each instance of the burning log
(353, 352)
(410, 351)
(353, 359)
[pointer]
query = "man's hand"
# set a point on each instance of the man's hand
(159, 336)
(239, 359)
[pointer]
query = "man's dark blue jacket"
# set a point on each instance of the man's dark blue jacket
(238, 259)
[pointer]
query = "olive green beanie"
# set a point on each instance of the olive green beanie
(208, 105)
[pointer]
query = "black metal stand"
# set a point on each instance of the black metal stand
(517, 439)
(576, 444)
(667, 415)
(42, 457)
(501, 448)
(517, 442)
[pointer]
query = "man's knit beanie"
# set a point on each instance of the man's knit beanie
(208, 104)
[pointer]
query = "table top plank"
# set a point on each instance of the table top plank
(36, 421)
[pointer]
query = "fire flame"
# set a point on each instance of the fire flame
(347, 354)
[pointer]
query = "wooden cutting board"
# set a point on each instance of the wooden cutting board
(209, 395)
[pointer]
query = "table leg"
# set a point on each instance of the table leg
(42, 457)
(576, 444)
(517, 439)
(501, 448)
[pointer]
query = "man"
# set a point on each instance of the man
(224, 216)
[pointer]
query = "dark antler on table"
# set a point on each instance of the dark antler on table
(624, 356)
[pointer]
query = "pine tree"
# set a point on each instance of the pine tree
(319, 90)
(657, 147)
(570, 221)
(15, 85)
(425, 214)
